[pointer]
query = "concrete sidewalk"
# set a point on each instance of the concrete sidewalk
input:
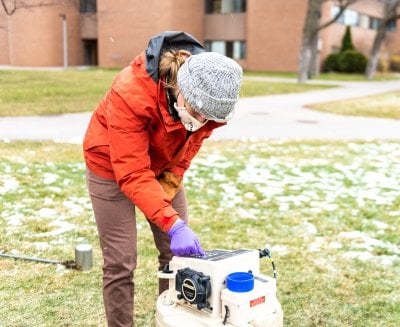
(285, 116)
(270, 117)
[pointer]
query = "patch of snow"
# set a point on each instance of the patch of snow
(9, 182)
(61, 228)
(49, 178)
(48, 213)
(363, 256)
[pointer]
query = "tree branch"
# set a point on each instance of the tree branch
(343, 6)
(389, 18)
(24, 4)
(8, 11)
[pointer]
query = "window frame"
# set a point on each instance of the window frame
(225, 6)
(235, 49)
(88, 6)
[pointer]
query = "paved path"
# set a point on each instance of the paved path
(284, 116)
(270, 117)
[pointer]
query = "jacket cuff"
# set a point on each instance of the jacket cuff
(168, 223)
(179, 171)
(169, 217)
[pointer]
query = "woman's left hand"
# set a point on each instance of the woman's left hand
(184, 241)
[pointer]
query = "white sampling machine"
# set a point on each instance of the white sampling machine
(223, 288)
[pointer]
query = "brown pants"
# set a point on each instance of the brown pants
(116, 223)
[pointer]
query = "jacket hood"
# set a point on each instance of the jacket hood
(166, 41)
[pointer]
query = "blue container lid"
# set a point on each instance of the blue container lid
(240, 282)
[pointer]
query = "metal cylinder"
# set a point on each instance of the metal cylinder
(83, 257)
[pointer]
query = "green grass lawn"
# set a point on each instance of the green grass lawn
(358, 77)
(25, 93)
(252, 88)
(328, 76)
(385, 105)
(328, 211)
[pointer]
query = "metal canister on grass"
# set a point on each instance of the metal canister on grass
(83, 257)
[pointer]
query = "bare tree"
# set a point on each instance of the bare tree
(391, 12)
(309, 45)
(11, 6)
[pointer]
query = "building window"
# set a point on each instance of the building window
(353, 18)
(391, 25)
(348, 17)
(374, 23)
(225, 6)
(364, 21)
(232, 49)
(334, 11)
(88, 6)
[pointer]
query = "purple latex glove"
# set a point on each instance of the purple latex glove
(184, 241)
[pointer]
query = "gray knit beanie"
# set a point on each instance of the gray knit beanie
(210, 83)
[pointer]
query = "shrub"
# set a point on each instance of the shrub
(349, 61)
(395, 63)
(352, 61)
(347, 43)
(331, 63)
(383, 65)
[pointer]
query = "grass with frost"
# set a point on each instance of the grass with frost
(328, 211)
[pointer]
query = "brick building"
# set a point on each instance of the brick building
(261, 35)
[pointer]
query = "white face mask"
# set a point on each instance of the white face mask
(189, 122)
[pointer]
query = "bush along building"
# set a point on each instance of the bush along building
(348, 59)
(260, 35)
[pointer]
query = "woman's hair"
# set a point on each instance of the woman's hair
(170, 62)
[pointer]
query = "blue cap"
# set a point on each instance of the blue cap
(240, 282)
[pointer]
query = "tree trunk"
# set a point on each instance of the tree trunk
(308, 55)
(310, 32)
(374, 55)
(304, 62)
(314, 64)
(391, 7)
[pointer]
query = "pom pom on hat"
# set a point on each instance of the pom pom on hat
(210, 83)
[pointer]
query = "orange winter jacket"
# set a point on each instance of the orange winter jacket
(133, 138)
